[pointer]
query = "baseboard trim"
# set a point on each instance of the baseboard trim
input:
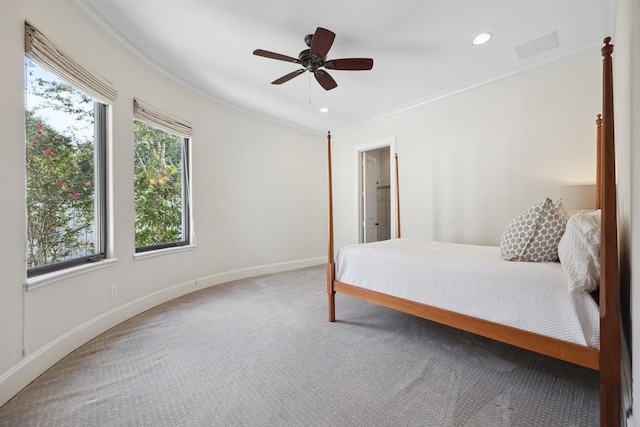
(229, 276)
(34, 364)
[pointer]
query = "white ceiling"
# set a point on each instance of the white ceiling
(422, 50)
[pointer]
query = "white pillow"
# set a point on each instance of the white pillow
(579, 252)
(534, 235)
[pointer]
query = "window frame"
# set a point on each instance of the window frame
(47, 54)
(186, 196)
(100, 197)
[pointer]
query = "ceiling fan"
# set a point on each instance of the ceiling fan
(315, 60)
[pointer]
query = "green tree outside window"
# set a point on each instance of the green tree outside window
(60, 193)
(159, 195)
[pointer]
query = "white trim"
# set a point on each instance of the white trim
(389, 141)
(91, 10)
(504, 74)
(608, 25)
(556, 55)
(36, 363)
(161, 252)
(56, 276)
(229, 276)
(33, 365)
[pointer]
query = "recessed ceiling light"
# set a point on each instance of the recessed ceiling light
(482, 38)
(324, 110)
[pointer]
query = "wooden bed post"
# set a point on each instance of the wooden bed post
(598, 159)
(397, 201)
(610, 330)
(331, 270)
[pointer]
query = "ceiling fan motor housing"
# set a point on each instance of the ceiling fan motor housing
(311, 62)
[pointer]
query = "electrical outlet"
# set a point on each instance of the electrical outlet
(263, 255)
(114, 290)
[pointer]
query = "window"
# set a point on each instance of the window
(161, 181)
(65, 123)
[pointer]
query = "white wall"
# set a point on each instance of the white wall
(468, 164)
(257, 187)
(626, 63)
(471, 162)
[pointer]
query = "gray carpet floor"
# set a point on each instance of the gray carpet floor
(260, 352)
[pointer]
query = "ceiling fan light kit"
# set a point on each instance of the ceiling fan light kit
(314, 60)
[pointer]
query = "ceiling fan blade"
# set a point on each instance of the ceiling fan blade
(353, 64)
(325, 80)
(273, 55)
(321, 42)
(288, 77)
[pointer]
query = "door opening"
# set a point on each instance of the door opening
(375, 195)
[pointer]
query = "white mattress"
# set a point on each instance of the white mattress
(475, 281)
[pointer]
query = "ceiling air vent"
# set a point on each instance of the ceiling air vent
(536, 46)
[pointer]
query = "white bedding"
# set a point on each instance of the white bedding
(475, 281)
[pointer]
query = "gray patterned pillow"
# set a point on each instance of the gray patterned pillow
(534, 235)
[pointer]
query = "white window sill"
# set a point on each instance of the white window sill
(56, 276)
(162, 252)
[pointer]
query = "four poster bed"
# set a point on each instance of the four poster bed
(454, 284)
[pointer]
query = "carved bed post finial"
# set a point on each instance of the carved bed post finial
(607, 49)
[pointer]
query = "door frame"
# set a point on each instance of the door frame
(367, 192)
(390, 142)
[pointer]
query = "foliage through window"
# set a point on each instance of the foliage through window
(65, 151)
(161, 184)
